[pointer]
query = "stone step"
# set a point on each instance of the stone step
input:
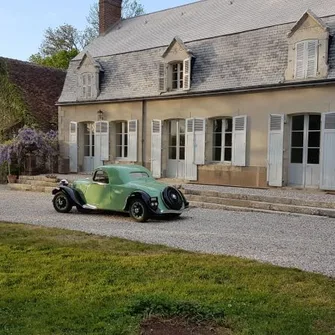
(32, 188)
(39, 178)
(257, 206)
(37, 182)
(259, 198)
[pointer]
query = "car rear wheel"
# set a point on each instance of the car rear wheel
(138, 210)
(62, 203)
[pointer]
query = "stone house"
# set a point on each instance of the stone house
(223, 92)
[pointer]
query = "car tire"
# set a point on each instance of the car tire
(138, 210)
(62, 203)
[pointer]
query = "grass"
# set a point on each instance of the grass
(62, 282)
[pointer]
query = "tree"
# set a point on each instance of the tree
(130, 8)
(63, 43)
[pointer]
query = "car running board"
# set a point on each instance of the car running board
(87, 206)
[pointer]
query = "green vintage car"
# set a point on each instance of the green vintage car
(120, 188)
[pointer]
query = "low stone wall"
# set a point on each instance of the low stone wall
(219, 174)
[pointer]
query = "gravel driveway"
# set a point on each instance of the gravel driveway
(303, 242)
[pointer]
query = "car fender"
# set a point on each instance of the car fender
(140, 194)
(73, 194)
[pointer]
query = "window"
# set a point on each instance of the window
(306, 59)
(177, 76)
(89, 140)
(138, 175)
(86, 81)
(101, 177)
(222, 140)
(177, 139)
(122, 139)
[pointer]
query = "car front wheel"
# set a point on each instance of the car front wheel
(138, 210)
(62, 203)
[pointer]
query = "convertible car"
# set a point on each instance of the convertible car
(120, 188)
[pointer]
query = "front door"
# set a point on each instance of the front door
(304, 167)
(176, 158)
(88, 147)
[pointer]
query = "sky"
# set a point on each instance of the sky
(23, 22)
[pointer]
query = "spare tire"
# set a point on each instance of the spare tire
(172, 198)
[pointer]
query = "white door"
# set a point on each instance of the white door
(275, 150)
(327, 178)
(156, 148)
(304, 167)
(88, 147)
(101, 141)
(176, 154)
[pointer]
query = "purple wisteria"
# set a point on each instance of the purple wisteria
(29, 141)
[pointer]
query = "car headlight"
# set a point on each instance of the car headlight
(154, 202)
(64, 182)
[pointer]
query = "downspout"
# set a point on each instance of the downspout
(144, 128)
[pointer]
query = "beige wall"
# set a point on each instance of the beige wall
(257, 106)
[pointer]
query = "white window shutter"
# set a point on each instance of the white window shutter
(104, 140)
(199, 140)
(327, 177)
(312, 58)
(73, 146)
(191, 171)
(162, 77)
(299, 60)
(275, 150)
(239, 140)
(132, 140)
(156, 148)
(187, 74)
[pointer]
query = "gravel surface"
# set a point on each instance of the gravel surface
(291, 241)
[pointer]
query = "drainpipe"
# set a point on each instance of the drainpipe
(144, 129)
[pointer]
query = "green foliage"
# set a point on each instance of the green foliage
(12, 106)
(59, 60)
(63, 282)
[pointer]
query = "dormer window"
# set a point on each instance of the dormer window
(176, 67)
(86, 82)
(177, 76)
(88, 78)
(306, 59)
(308, 42)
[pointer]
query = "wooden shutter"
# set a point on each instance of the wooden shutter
(299, 61)
(156, 148)
(187, 74)
(162, 77)
(312, 58)
(73, 146)
(327, 177)
(275, 150)
(239, 140)
(190, 166)
(132, 140)
(199, 140)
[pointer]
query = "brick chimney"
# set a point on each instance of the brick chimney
(109, 14)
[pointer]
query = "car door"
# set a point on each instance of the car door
(99, 191)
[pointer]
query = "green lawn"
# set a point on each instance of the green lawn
(61, 282)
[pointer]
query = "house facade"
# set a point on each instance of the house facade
(217, 92)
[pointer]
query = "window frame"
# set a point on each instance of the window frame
(180, 75)
(86, 85)
(306, 58)
(105, 180)
(223, 145)
(123, 145)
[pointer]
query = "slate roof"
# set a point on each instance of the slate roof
(236, 45)
(40, 86)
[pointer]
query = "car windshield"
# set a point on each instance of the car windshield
(138, 175)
